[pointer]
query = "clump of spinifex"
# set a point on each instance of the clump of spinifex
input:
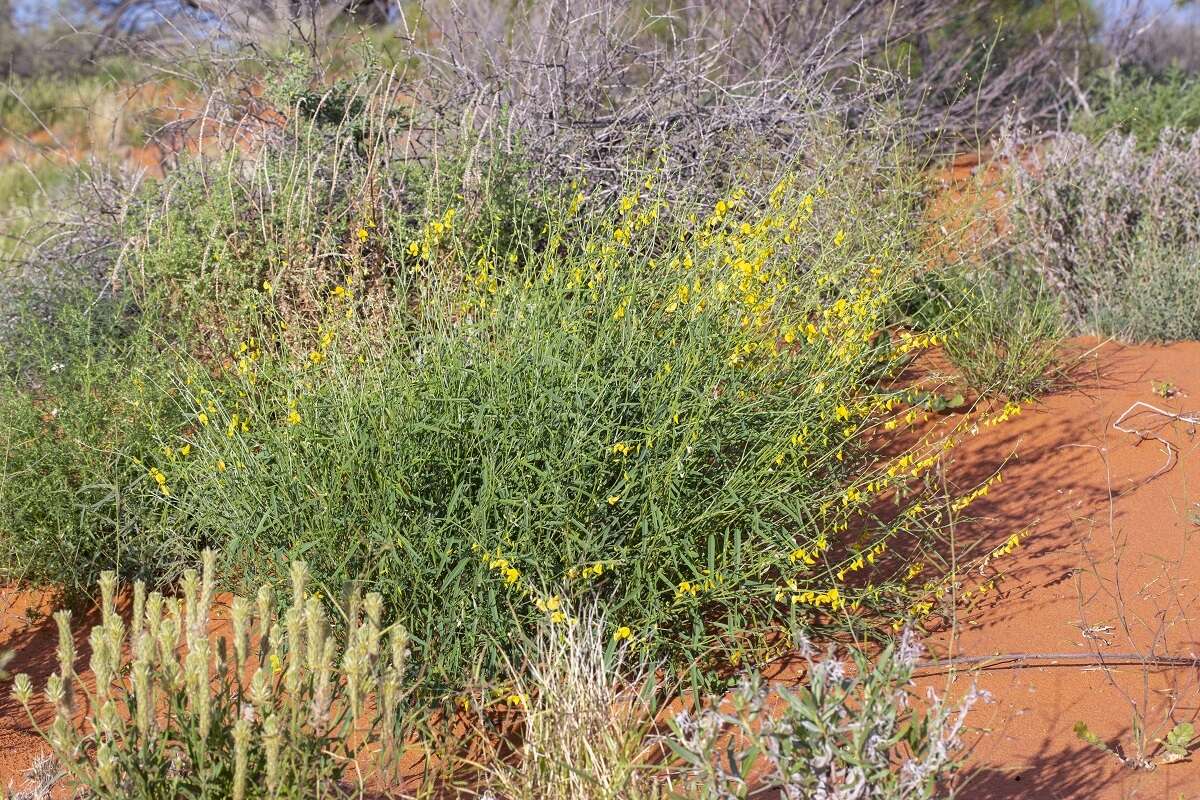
(278, 709)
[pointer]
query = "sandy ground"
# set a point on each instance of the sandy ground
(1112, 566)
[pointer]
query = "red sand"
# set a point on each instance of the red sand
(1076, 483)
(1097, 514)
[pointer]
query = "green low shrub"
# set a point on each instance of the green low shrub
(482, 399)
(1141, 107)
(1006, 336)
(1152, 293)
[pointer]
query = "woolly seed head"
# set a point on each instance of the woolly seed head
(66, 643)
(108, 589)
(299, 576)
(22, 690)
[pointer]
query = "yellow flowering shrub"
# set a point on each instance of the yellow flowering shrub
(677, 411)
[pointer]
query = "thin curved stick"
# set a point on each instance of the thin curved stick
(1014, 660)
(1172, 450)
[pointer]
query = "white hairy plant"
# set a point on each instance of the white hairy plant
(270, 711)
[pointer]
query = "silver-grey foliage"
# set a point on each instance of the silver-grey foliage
(1113, 232)
(847, 734)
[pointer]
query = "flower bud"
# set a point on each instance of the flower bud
(22, 690)
(106, 767)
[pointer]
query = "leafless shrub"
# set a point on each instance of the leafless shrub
(1157, 41)
(595, 85)
(256, 23)
(43, 775)
(585, 86)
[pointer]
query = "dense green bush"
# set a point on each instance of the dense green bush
(483, 397)
(1141, 107)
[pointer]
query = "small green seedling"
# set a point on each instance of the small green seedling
(1164, 389)
(937, 403)
(1177, 745)
(1085, 733)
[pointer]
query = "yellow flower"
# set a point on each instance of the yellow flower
(339, 291)
(276, 664)
(203, 418)
(413, 248)
(220, 465)
(510, 575)
(843, 413)
(514, 700)
(613, 499)
(362, 234)
(315, 357)
(622, 632)
(558, 617)
(186, 449)
(293, 417)
(839, 238)
(267, 286)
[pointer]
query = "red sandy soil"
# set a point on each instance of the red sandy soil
(1106, 523)
(1099, 506)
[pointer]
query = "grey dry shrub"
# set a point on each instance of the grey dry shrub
(1112, 231)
